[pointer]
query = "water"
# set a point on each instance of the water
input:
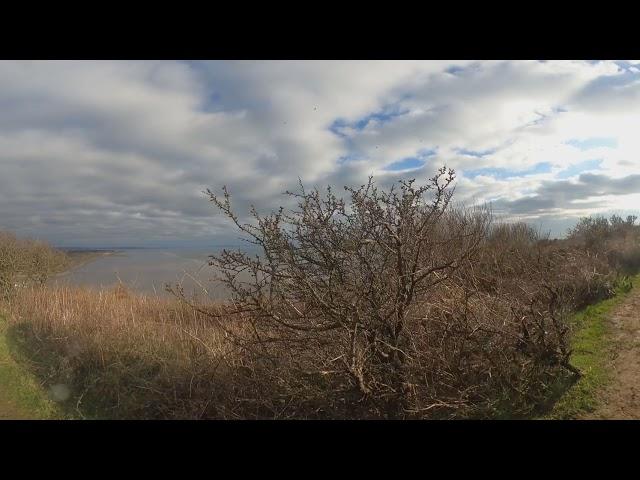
(148, 271)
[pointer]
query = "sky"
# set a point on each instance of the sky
(118, 153)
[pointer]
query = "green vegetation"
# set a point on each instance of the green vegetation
(21, 396)
(591, 347)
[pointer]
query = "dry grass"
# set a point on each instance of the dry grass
(124, 355)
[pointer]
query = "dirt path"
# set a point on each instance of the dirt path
(621, 399)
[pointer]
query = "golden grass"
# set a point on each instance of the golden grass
(121, 355)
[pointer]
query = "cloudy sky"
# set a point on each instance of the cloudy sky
(118, 153)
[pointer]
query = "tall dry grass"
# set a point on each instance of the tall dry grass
(126, 355)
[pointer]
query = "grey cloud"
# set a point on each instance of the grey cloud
(119, 152)
(619, 93)
(563, 194)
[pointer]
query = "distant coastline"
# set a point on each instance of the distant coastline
(79, 257)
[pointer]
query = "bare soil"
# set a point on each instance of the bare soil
(621, 398)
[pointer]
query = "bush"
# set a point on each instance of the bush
(397, 305)
(507, 236)
(25, 261)
(616, 239)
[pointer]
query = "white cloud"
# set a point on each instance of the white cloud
(118, 152)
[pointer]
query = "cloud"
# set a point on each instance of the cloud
(567, 195)
(106, 153)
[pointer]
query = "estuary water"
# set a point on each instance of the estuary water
(148, 271)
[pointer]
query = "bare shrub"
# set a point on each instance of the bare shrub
(591, 232)
(382, 301)
(513, 235)
(25, 261)
(616, 239)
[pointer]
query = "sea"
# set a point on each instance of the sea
(150, 271)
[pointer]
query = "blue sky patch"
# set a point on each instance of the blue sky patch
(578, 168)
(405, 164)
(337, 126)
(380, 117)
(427, 152)
(454, 70)
(350, 157)
(477, 154)
(594, 142)
(383, 116)
(503, 173)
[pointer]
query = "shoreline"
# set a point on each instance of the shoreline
(80, 258)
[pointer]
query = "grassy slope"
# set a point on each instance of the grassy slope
(591, 351)
(21, 397)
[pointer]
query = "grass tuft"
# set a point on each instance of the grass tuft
(591, 347)
(21, 396)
